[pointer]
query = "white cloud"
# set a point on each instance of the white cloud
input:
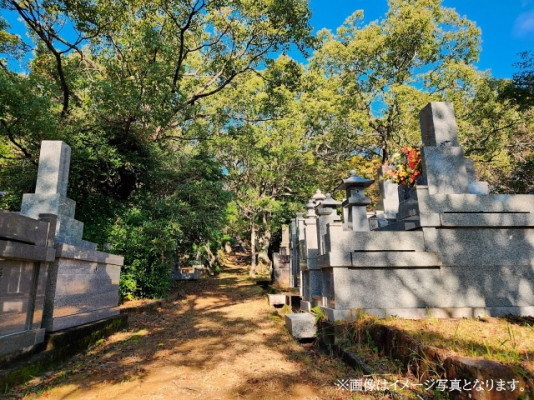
(524, 24)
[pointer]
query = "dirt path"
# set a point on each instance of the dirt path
(215, 339)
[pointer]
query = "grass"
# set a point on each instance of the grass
(492, 338)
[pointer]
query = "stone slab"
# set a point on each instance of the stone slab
(444, 287)
(23, 229)
(301, 325)
(305, 306)
(34, 204)
(70, 321)
(54, 164)
(76, 304)
(438, 125)
(472, 203)
(394, 259)
(438, 166)
(22, 251)
(471, 247)
(478, 220)
(277, 299)
(74, 252)
(343, 241)
(477, 187)
(20, 341)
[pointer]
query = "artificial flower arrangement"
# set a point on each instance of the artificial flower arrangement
(406, 166)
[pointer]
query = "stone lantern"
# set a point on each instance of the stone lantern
(354, 205)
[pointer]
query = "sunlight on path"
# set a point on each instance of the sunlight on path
(217, 340)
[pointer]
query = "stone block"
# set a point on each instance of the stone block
(34, 204)
(23, 229)
(438, 125)
(438, 164)
(468, 247)
(54, 165)
(477, 187)
(480, 220)
(20, 341)
(83, 287)
(277, 299)
(77, 253)
(74, 320)
(301, 325)
(305, 306)
(472, 203)
(394, 259)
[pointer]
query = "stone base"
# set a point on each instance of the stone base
(20, 342)
(301, 325)
(83, 287)
(59, 323)
(305, 305)
(277, 299)
(420, 313)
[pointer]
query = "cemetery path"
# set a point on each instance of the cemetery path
(212, 339)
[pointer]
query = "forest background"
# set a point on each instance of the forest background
(190, 124)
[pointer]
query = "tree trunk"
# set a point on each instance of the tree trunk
(252, 250)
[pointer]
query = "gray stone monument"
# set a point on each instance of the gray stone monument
(442, 154)
(389, 196)
(83, 284)
(354, 205)
(309, 252)
(50, 195)
(469, 255)
(282, 262)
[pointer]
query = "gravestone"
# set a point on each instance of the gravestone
(309, 273)
(442, 154)
(83, 283)
(282, 262)
(389, 196)
(50, 195)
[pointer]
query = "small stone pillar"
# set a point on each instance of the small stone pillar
(309, 267)
(354, 206)
(282, 262)
(326, 213)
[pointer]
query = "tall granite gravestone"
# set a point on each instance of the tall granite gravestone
(83, 284)
(309, 251)
(282, 262)
(295, 272)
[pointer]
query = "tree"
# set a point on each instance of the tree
(129, 86)
(266, 153)
(521, 89)
(378, 76)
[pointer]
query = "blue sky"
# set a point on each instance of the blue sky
(507, 25)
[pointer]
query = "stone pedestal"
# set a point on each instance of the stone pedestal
(281, 271)
(83, 287)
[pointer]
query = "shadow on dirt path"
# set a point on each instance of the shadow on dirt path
(215, 338)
